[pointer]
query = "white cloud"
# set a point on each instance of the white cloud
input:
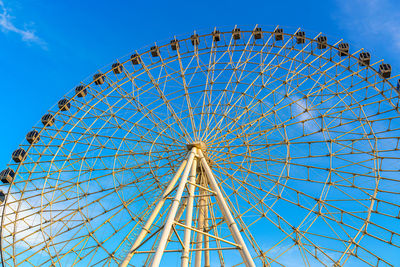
(304, 113)
(7, 25)
(377, 21)
(26, 228)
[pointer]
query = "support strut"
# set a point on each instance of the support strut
(191, 165)
(248, 260)
(189, 217)
(172, 212)
(146, 228)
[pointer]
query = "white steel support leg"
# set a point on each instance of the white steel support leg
(189, 216)
(248, 260)
(206, 237)
(200, 225)
(172, 212)
(179, 214)
(146, 228)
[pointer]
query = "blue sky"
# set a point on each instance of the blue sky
(47, 47)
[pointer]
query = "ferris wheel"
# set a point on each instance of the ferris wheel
(231, 148)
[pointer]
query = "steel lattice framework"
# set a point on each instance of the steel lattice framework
(234, 148)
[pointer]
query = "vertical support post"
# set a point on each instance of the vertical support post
(206, 237)
(146, 228)
(189, 216)
(244, 252)
(172, 212)
(179, 214)
(200, 224)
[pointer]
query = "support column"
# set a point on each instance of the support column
(206, 237)
(244, 252)
(189, 216)
(200, 223)
(146, 228)
(179, 214)
(172, 212)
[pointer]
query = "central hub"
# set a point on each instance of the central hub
(203, 147)
(200, 145)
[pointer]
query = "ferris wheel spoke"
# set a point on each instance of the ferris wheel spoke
(150, 220)
(161, 93)
(279, 65)
(245, 227)
(240, 98)
(153, 118)
(84, 207)
(312, 198)
(226, 213)
(251, 123)
(215, 232)
(347, 241)
(234, 122)
(235, 68)
(239, 67)
(185, 86)
(82, 226)
(75, 211)
(294, 231)
(116, 172)
(337, 171)
(208, 87)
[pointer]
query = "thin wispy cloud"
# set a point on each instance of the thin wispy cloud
(7, 25)
(376, 21)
